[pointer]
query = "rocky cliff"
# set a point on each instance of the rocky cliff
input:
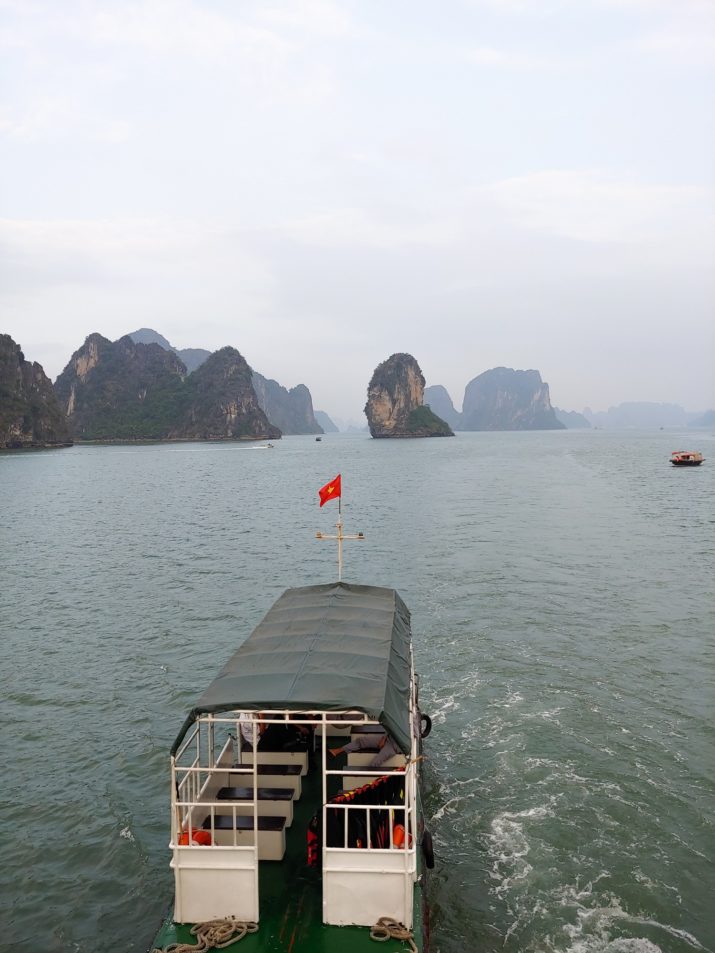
(121, 390)
(221, 402)
(30, 413)
(505, 399)
(290, 410)
(437, 399)
(395, 405)
(127, 391)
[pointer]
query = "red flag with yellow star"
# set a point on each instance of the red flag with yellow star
(331, 491)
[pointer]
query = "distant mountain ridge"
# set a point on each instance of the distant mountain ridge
(642, 415)
(124, 390)
(192, 357)
(499, 399)
(325, 422)
(572, 420)
(291, 411)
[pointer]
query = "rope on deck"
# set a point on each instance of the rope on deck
(388, 929)
(213, 935)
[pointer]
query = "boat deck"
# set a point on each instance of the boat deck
(291, 896)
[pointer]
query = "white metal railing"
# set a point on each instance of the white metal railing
(190, 781)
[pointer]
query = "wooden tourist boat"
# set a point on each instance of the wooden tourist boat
(296, 848)
(686, 458)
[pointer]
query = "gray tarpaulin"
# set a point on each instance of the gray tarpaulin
(322, 648)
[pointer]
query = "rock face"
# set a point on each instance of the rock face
(30, 413)
(438, 400)
(129, 391)
(505, 399)
(290, 410)
(325, 422)
(221, 402)
(395, 401)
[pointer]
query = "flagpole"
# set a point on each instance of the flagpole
(340, 537)
(339, 525)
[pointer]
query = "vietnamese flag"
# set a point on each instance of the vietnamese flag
(330, 491)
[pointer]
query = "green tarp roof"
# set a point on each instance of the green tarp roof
(323, 648)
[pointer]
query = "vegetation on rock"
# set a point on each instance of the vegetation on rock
(30, 414)
(291, 411)
(129, 391)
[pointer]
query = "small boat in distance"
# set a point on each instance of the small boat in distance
(686, 458)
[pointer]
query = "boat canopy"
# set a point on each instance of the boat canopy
(322, 648)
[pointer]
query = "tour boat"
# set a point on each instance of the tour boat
(293, 847)
(686, 458)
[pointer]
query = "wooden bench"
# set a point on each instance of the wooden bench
(271, 834)
(272, 802)
(367, 730)
(269, 776)
(363, 757)
(276, 757)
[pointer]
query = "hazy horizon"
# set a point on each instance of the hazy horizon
(321, 184)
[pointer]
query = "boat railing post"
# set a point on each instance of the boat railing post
(254, 741)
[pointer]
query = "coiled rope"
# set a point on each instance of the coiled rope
(213, 935)
(388, 929)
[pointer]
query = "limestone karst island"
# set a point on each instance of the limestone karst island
(395, 401)
(140, 387)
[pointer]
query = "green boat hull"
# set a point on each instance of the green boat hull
(291, 910)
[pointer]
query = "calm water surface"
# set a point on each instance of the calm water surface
(561, 593)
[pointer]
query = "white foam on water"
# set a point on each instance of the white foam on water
(439, 714)
(126, 834)
(541, 762)
(450, 806)
(590, 933)
(512, 698)
(509, 846)
(656, 884)
(601, 944)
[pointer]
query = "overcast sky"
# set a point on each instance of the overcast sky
(528, 183)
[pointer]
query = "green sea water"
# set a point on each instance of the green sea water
(564, 623)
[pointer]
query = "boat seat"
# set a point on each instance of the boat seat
(276, 756)
(272, 802)
(264, 794)
(269, 776)
(271, 833)
(368, 730)
(222, 822)
(362, 759)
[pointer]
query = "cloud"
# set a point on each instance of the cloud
(686, 47)
(591, 206)
(364, 228)
(496, 58)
